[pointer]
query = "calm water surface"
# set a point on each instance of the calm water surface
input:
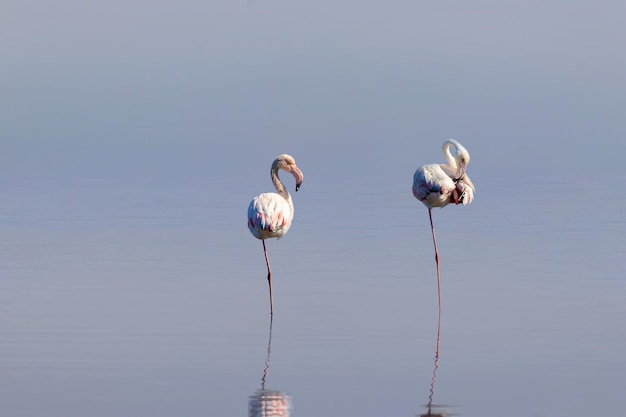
(149, 298)
(133, 136)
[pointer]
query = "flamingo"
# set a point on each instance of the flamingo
(437, 185)
(270, 214)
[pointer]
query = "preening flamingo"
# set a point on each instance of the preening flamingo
(270, 214)
(437, 185)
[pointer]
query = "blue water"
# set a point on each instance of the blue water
(133, 136)
(149, 297)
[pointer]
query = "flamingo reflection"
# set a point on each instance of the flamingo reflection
(432, 409)
(268, 402)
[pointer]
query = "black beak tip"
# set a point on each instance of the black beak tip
(298, 186)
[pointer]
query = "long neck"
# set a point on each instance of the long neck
(449, 158)
(278, 184)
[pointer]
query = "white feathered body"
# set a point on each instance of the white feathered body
(270, 215)
(434, 186)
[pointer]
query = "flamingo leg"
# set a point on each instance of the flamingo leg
(432, 228)
(269, 277)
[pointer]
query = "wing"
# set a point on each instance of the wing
(269, 215)
(432, 185)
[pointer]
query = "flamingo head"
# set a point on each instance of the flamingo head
(461, 157)
(288, 163)
(458, 162)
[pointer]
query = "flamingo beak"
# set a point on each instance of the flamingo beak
(297, 175)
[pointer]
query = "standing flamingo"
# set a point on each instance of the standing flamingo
(437, 185)
(270, 214)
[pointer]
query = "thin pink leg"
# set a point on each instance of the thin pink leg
(269, 277)
(432, 228)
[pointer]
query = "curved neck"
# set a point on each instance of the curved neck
(278, 184)
(449, 158)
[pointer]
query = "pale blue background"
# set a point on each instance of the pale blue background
(134, 134)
